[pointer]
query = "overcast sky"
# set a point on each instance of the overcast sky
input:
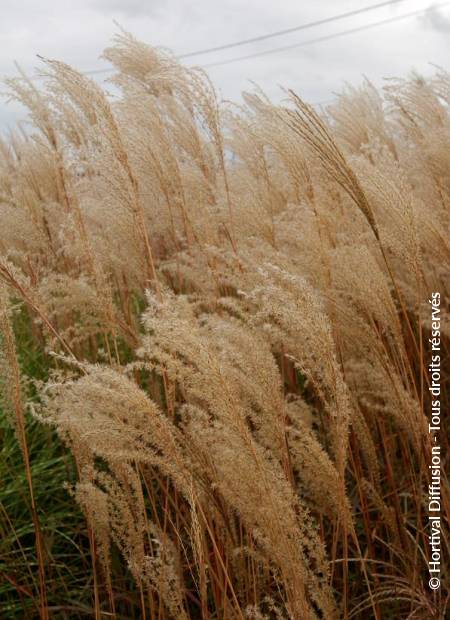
(77, 31)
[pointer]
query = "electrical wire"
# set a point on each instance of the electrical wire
(279, 33)
(335, 35)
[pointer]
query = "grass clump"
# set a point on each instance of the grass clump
(215, 388)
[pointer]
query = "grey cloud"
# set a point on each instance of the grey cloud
(128, 8)
(436, 20)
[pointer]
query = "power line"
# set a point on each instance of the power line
(279, 33)
(323, 38)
